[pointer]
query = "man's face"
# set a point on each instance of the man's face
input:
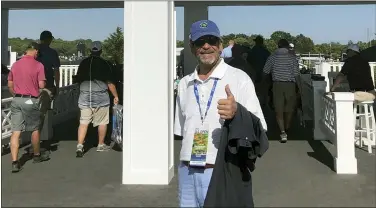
(207, 49)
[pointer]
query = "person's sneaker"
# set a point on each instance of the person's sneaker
(80, 150)
(43, 156)
(283, 137)
(103, 147)
(16, 167)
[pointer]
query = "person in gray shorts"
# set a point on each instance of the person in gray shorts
(24, 81)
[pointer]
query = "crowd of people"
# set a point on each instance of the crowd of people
(34, 82)
(274, 75)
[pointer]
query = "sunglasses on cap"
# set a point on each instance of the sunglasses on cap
(211, 40)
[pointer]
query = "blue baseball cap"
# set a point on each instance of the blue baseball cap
(202, 28)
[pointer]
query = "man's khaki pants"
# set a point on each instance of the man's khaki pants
(361, 96)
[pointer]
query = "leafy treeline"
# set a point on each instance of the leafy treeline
(112, 46)
(303, 44)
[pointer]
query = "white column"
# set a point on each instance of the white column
(193, 11)
(4, 36)
(345, 161)
(148, 92)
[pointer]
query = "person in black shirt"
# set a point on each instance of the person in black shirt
(358, 73)
(238, 61)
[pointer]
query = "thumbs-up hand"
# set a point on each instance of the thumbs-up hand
(227, 107)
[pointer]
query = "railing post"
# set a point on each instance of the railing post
(319, 88)
(325, 69)
(61, 77)
(345, 160)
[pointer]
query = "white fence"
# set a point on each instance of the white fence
(332, 116)
(66, 74)
(338, 123)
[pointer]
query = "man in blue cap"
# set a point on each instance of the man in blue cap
(203, 103)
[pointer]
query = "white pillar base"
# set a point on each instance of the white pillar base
(346, 165)
(193, 12)
(148, 141)
(345, 160)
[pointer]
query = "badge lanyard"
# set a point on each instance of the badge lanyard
(209, 101)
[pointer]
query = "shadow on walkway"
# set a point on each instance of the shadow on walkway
(300, 133)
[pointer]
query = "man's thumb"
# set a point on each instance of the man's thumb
(228, 91)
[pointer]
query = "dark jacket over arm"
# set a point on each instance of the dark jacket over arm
(242, 141)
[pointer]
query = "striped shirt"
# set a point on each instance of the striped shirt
(283, 66)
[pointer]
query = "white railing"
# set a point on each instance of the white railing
(333, 120)
(330, 69)
(337, 122)
(65, 107)
(5, 117)
(66, 74)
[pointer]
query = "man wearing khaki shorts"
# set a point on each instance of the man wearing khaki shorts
(284, 67)
(95, 76)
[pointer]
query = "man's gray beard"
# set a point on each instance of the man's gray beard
(206, 61)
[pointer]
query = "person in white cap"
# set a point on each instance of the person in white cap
(357, 71)
(95, 76)
(292, 48)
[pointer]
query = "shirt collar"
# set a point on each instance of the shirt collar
(218, 72)
(28, 57)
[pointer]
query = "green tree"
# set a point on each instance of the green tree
(241, 40)
(180, 44)
(277, 35)
(303, 44)
(113, 46)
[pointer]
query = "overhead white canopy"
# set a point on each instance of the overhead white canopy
(120, 4)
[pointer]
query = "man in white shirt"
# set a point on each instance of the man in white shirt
(227, 52)
(205, 99)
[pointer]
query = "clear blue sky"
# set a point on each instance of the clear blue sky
(321, 23)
